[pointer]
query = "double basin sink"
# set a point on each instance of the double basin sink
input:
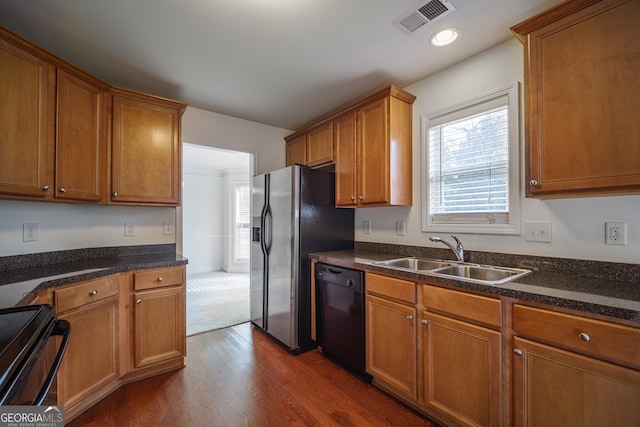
(485, 274)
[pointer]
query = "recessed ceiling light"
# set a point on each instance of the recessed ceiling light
(444, 37)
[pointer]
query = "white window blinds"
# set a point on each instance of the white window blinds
(469, 164)
(470, 178)
(241, 244)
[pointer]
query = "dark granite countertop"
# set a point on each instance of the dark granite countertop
(598, 295)
(22, 275)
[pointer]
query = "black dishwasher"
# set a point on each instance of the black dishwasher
(340, 316)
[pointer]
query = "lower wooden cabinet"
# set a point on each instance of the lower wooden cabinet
(391, 344)
(90, 366)
(462, 370)
(124, 327)
(159, 325)
(558, 388)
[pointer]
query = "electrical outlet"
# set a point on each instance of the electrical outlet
(537, 231)
(366, 227)
(400, 228)
(29, 232)
(615, 233)
(129, 229)
(167, 228)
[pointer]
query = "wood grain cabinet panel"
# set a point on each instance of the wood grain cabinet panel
(320, 145)
(557, 388)
(383, 168)
(346, 159)
(297, 150)
(582, 61)
(159, 325)
(27, 122)
(462, 370)
(90, 367)
(146, 150)
(81, 138)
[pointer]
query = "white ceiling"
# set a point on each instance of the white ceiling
(278, 62)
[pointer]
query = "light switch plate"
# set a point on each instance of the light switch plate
(537, 231)
(366, 227)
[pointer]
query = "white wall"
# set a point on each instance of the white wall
(266, 143)
(577, 224)
(202, 219)
(64, 226)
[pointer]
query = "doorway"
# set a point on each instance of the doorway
(216, 198)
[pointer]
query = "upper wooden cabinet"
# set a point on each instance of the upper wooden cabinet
(54, 134)
(313, 147)
(81, 138)
(582, 62)
(297, 150)
(146, 149)
(27, 121)
(370, 144)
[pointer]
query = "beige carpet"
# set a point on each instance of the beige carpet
(216, 300)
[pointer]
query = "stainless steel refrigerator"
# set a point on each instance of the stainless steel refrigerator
(293, 214)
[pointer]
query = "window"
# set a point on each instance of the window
(470, 166)
(241, 244)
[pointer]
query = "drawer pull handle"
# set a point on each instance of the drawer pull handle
(160, 279)
(518, 351)
(584, 337)
(46, 187)
(409, 317)
(138, 301)
(93, 293)
(424, 321)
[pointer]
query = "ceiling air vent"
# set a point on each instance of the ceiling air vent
(421, 14)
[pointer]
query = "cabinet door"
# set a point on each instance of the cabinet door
(81, 143)
(159, 325)
(461, 370)
(556, 388)
(391, 344)
(320, 145)
(145, 152)
(346, 160)
(583, 132)
(373, 153)
(297, 151)
(91, 360)
(27, 123)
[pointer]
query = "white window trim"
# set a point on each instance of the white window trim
(512, 93)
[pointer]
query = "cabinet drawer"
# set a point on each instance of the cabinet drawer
(86, 293)
(606, 340)
(461, 304)
(399, 289)
(158, 278)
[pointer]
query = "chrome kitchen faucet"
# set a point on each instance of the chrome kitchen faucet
(458, 250)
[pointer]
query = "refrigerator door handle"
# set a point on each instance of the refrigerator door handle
(263, 223)
(268, 231)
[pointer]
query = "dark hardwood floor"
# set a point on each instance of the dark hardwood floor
(239, 377)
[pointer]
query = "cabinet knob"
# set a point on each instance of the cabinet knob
(533, 183)
(360, 197)
(45, 188)
(409, 317)
(93, 293)
(62, 190)
(160, 279)
(424, 321)
(353, 198)
(518, 351)
(138, 301)
(584, 337)
(115, 194)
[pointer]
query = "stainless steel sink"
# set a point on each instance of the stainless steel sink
(418, 264)
(482, 273)
(485, 274)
